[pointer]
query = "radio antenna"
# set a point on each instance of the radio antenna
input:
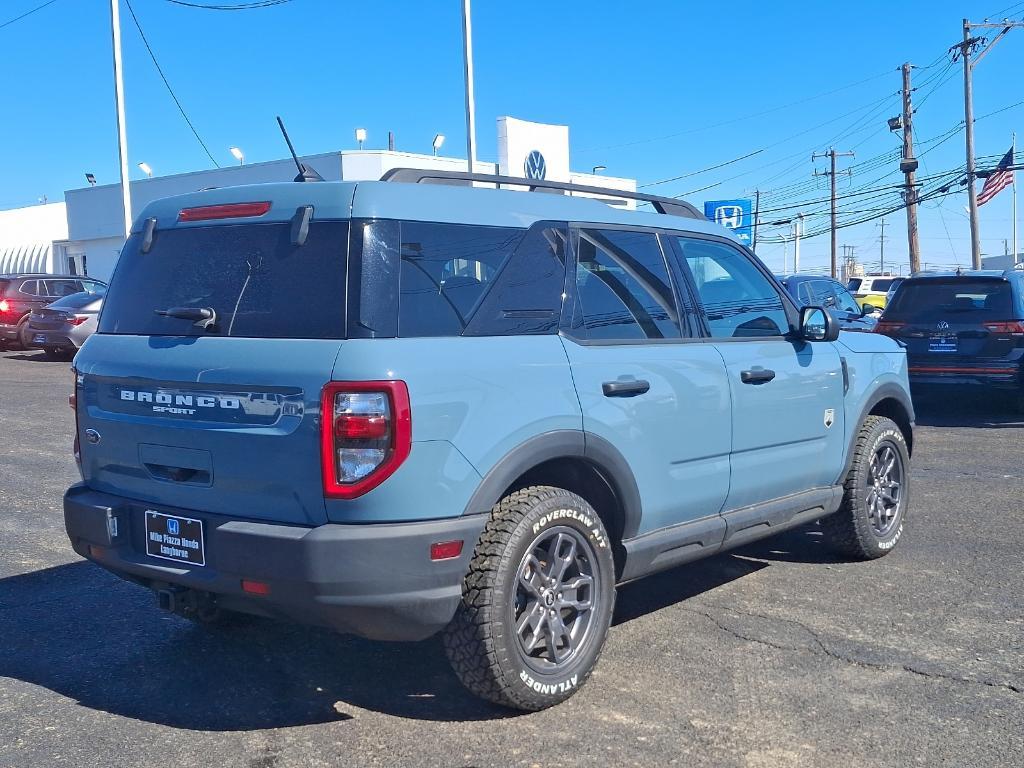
(305, 172)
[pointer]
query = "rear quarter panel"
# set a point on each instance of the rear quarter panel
(473, 400)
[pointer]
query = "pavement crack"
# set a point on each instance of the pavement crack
(831, 653)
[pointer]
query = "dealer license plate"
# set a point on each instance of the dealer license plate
(171, 537)
(39, 339)
(943, 343)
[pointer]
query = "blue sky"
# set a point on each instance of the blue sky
(651, 90)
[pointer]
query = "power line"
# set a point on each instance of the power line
(243, 6)
(170, 90)
(27, 13)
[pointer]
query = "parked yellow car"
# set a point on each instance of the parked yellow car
(872, 289)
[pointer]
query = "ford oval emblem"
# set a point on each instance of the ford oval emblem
(92, 436)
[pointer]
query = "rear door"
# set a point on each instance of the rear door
(787, 395)
(645, 384)
(955, 324)
(224, 418)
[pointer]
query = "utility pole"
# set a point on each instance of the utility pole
(832, 155)
(798, 229)
(964, 50)
(848, 260)
(882, 243)
(757, 210)
(122, 134)
(467, 60)
(909, 166)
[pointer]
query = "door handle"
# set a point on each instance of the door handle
(625, 387)
(757, 376)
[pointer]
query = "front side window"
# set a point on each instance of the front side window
(60, 288)
(739, 301)
(623, 289)
(845, 301)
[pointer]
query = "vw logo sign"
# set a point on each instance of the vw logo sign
(942, 325)
(535, 166)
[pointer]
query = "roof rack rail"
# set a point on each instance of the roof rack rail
(665, 205)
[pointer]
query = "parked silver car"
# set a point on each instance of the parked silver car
(62, 327)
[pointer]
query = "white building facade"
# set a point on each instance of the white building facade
(95, 223)
(28, 237)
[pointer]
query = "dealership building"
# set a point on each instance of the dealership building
(88, 238)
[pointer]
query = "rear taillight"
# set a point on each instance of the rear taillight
(888, 327)
(4, 306)
(1012, 327)
(228, 211)
(77, 319)
(365, 433)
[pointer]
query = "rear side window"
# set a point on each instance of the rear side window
(881, 285)
(953, 300)
(445, 271)
(739, 301)
(31, 288)
(854, 284)
(257, 282)
(623, 290)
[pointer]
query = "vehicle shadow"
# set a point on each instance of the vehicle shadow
(85, 634)
(966, 410)
(33, 357)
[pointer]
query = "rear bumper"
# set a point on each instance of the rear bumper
(52, 339)
(376, 581)
(8, 332)
(991, 376)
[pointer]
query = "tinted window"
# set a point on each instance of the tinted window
(881, 285)
(59, 288)
(445, 271)
(526, 296)
(954, 300)
(31, 288)
(822, 294)
(844, 300)
(257, 282)
(854, 283)
(623, 289)
(738, 299)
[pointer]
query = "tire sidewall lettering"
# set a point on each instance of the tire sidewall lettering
(565, 514)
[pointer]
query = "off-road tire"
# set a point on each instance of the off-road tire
(850, 530)
(481, 641)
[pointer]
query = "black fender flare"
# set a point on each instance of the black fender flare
(562, 444)
(887, 391)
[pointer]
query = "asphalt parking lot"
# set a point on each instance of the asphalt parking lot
(774, 655)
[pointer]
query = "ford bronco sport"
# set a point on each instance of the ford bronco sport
(399, 408)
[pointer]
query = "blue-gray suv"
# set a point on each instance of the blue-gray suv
(405, 407)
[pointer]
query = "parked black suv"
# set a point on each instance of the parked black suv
(22, 292)
(961, 329)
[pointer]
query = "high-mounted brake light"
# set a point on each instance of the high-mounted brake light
(365, 435)
(227, 211)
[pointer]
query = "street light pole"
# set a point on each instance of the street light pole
(467, 59)
(122, 134)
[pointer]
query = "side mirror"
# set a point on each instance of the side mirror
(818, 324)
(869, 309)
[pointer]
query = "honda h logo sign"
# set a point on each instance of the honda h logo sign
(535, 166)
(734, 215)
(729, 216)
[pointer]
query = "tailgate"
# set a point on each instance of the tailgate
(222, 425)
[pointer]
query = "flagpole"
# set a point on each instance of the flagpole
(1013, 161)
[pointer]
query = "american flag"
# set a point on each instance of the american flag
(1000, 179)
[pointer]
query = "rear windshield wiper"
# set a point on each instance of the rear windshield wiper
(201, 317)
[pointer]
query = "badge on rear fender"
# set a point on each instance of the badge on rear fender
(830, 417)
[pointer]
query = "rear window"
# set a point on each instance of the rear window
(257, 282)
(963, 300)
(77, 300)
